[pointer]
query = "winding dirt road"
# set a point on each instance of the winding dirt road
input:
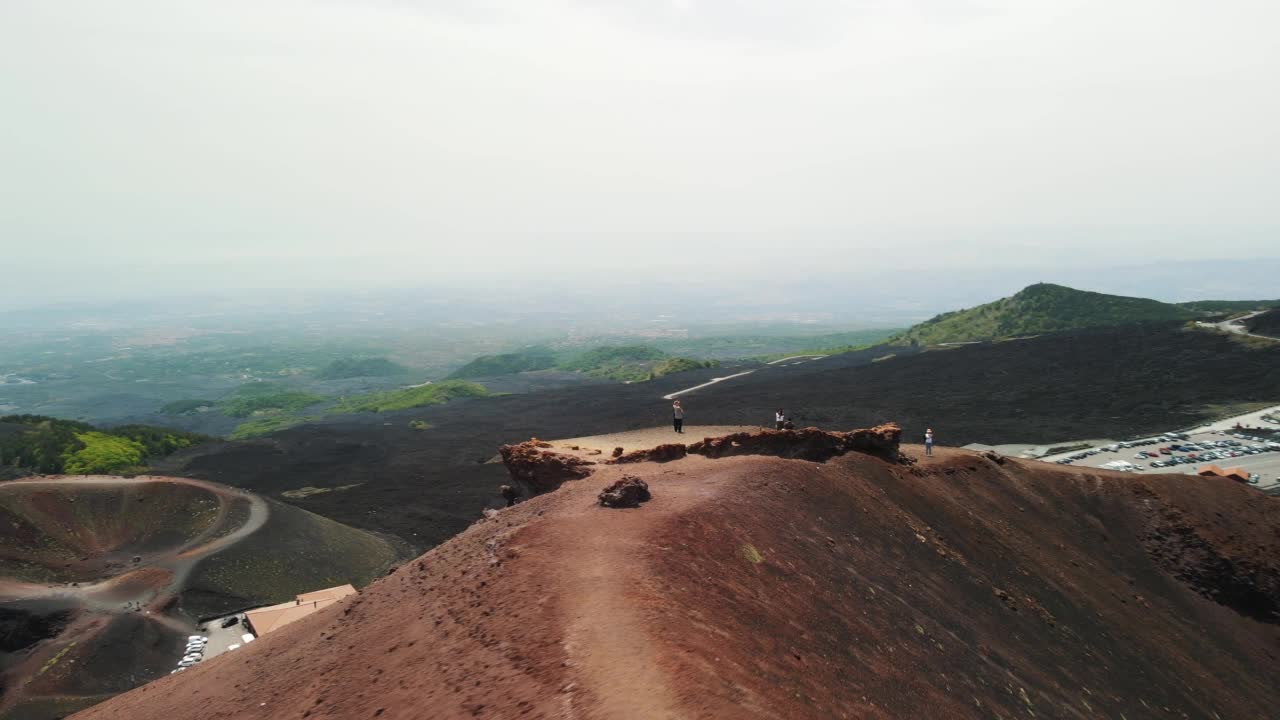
(178, 563)
(144, 590)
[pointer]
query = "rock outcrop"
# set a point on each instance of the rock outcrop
(805, 444)
(662, 453)
(536, 470)
(628, 492)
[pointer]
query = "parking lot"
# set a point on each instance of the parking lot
(1254, 448)
(222, 639)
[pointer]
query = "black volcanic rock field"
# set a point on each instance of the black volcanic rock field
(425, 486)
(1268, 324)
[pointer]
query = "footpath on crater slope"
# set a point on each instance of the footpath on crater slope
(794, 575)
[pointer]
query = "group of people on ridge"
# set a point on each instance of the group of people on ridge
(780, 422)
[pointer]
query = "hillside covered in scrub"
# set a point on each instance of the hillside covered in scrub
(34, 443)
(1037, 309)
(627, 363)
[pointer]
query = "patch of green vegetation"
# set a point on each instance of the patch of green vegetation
(49, 445)
(1220, 307)
(102, 454)
(256, 398)
(344, 368)
(1037, 309)
(752, 555)
(434, 394)
(630, 363)
(158, 441)
(186, 407)
(420, 425)
(627, 363)
(266, 424)
(539, 358)
(775, 347)
(671, 366)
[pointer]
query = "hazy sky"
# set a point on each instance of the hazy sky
(178, 144)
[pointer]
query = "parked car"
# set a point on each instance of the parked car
(233, 620)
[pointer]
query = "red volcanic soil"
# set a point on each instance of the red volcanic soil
(749, 586)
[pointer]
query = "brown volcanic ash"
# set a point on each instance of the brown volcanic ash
(766, 587)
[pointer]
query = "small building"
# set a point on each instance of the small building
(1237, 474)
(273, 617)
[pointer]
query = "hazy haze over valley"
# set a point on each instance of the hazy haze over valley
(746, 152)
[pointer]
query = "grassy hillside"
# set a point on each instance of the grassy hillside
(1216, 307)
(539, 358)
(257, 398)
(48, 445)
(434, 394)
(628, 363)
(344, 368)
(1039, 309)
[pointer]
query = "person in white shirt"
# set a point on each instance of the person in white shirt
(928, 442)
(779, 419)
(677, 416)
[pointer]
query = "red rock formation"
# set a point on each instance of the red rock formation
(661, 453)
(805, 444)
(538, 471)
(628, 492)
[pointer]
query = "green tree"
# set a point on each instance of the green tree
(102, 454)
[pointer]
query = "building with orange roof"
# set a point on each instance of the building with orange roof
(273, 617)
(1239, 474)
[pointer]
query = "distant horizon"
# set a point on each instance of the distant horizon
(895, 156)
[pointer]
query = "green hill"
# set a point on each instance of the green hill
(628, 363)
(506, 364)
(344, 368)
(434, 394)
(36, 443)
(1037, 309)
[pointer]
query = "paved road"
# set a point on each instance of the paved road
(1236, 326)
(793, 360)
(685, 391)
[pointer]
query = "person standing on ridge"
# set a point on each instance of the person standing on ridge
(928, 442)
(677, 416)
(779, 419)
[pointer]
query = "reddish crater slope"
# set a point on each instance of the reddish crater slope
(770, 587)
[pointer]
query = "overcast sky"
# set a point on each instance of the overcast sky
(182, 144)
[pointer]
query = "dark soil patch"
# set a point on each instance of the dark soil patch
(1268, 323)
(23, 625)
